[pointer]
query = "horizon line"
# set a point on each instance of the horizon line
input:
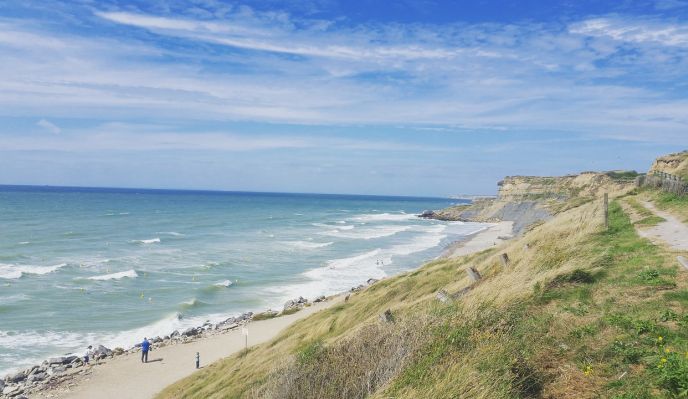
(198, 190)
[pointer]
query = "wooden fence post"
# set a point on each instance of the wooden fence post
(606, 211)
(473, 274)
(505, 260)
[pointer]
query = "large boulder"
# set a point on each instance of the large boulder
(191, 332)
(15, 378)
(428, 214)
(57, 360)
(295, 303)
(321, 298)
(37, 377)
(101, 352)
(12, 390)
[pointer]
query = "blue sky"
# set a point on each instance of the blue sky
(412, 97)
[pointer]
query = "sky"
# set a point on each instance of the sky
(407, 97)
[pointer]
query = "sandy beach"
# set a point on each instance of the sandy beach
(493, 235)
(126, 377)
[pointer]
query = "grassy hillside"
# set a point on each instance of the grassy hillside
(580, 312)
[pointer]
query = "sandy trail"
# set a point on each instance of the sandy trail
(126, 377)
(672, 231)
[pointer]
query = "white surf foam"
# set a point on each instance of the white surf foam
(385, 217)
(115, 276)
(224, 283)
(367, 233)
(307, 244)
(13, 272)
(171, 233)
(149, 241)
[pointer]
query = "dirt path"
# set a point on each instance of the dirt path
(672, 231)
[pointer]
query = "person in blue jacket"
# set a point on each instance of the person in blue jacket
(145, 347)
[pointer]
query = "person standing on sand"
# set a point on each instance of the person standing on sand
(145, 347)
(87, 355)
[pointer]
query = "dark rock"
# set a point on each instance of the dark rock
(175, 333)
(156, 340)
(387, 317)
(14, 378)
(372, 281)
(2, 385)
(190, 332)
(37, 377)
(70, 359)
(244, 316)
(321, 298)
(295, 303)
(428, 214)
(118, 351)
(101, 352)
(57, 360)
(356, 289)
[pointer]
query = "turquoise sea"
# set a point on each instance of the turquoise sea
(83, 266)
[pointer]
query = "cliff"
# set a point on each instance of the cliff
(675, 164)
(527, 200)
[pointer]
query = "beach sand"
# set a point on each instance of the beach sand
(126, 377)
(493, 235)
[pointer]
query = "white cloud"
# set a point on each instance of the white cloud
(49, 126)
(482, 76)
(634, 30)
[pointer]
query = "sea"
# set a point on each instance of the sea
(82, 266)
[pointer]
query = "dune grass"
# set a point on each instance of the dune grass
(580, 312)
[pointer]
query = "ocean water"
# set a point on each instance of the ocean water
(110, 266)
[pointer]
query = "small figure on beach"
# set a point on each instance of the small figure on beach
(88, 354)
(145, 347)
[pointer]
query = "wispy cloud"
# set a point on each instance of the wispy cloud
(49, 126)
(606, 76)
(635, 30)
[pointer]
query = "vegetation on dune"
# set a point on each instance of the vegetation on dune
(580, 312)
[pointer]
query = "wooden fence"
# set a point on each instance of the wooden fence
(664, 181)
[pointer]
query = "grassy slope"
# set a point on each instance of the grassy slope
(579, 313)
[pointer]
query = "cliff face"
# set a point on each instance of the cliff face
(675, 164)
(527, 200)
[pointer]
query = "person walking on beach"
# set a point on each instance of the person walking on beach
(145, 347)
(87, 355)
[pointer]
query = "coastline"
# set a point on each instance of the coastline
(120, 374)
